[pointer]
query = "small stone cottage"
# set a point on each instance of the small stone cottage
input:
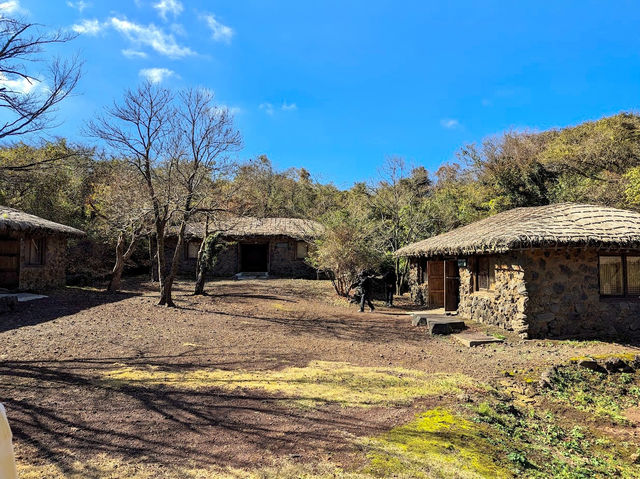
(32, 251)
(562, 270)
(275, 246)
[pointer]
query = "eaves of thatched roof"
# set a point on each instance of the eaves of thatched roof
(16, 220)
(239, 227)
(558, 225)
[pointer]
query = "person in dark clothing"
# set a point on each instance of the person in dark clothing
(389, 279)
(365, 287)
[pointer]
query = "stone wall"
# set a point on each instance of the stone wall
(49, 275)
(565, 297)
(283, 262)
(418, 286)
(506, 305)
(282, 259)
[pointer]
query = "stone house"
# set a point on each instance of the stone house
(562, 270)
(32, 251)
(276, 246)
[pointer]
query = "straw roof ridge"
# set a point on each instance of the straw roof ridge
(297, 228)
(12, 219)
(560, 224)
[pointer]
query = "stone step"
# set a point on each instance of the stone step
(475, 339)
(445, 325)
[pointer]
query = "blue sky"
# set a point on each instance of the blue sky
(337, 86)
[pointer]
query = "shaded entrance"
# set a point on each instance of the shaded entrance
(9, 263)
(443, 279)
(254, 258)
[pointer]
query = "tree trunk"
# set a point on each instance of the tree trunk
(166, 284)
(153, 264)
(116, 273)
(121, 259)
(201, 268)
(200, 280)
(162, 261)
(399, 277)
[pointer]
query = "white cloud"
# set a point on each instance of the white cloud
(178, 29)
(267, 108)
(164, 7)
(129, 53)
(270, 108)
(219, 32)
(233, 110)
(80, 5)
(450, 123)
(157, 75)
(88, 27)
(150, 36)
(12, 7)
(18, 85)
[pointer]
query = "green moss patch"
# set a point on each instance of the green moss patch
(438, 443)
(318, 382)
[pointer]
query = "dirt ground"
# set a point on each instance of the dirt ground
(56, 352)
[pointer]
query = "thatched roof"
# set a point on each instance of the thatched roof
(249, 226)
(16, 220)
(564, 224)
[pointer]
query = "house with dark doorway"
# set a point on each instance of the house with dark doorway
(32, 251)
(267, 246)
(562, 270)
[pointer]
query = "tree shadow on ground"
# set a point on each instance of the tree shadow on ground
(59, 303)
(55, 406)
(371, 328)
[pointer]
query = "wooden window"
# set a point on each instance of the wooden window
(633, 275)
(619, 275)
(302, 250)
(193, 248)
(485, 273)
(36, 251)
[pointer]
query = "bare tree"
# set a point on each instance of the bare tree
(27, 96)
(122, 209)
(178, 146)
(138, 129)
(206, 137)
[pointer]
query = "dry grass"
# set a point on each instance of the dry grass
(318, 382)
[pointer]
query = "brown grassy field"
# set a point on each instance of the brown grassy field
(275, 378)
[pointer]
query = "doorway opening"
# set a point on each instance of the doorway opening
(254, 258)
(9, 263)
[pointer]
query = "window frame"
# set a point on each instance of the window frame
(298, 257)
(41, 245)
(625, 277)
(491, 267)
(188, 245)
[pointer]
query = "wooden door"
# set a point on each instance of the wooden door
(435, 282)
(451, 286)
(9, 263)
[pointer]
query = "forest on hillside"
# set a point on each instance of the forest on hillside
(99, 192)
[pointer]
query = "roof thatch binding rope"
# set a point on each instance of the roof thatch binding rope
(564, 224)
(16, 220)
(249, 226)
